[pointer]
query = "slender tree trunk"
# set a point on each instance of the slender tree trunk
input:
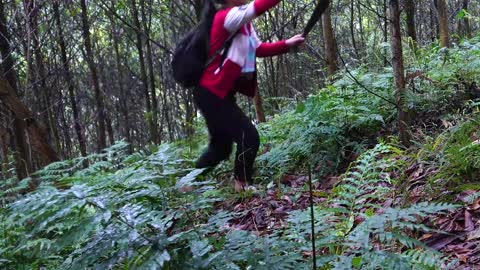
(352, 27)
(399, 72)
(151, 73)
(187, 96)
(433, 25)
(360, 24)
(143, 72)
(385, 30)
(65, 128)
(106, 102)
(442, 12)
(4, 145)
(466, 29)
(259, 107)
(43, 92)
(123, 98)
(330, 43)
(410, 13)
(111, 135)
(101, 144)
(165, 102)
(70, 85)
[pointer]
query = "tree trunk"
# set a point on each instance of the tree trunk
(147, 24)
(465, 28)
(352, 27)
(385, 31)
(143, 72)
(360, 24)
(123, 98)
(433, 24)
(68, 77)
(43, 93)
(399, 72)
(259, 107)
(410, 14)
(111, 135)
(101, 144)
(38, 137)
(330, 43)
(189, 106)
(165, 102)
(442, 12)
(4, 160)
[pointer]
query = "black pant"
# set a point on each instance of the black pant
(226, 124)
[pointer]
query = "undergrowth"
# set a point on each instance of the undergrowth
(127, 211)
(134, 217)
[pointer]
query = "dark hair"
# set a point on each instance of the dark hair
(209, 10)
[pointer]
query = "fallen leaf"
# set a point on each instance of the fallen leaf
(440, 241)
(469, 225)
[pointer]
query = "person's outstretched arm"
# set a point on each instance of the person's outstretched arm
(266, 49)
(238, 16)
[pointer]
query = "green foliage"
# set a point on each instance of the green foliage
(444, 77)
(117, 211)
(456, 154)
(135, 217)
(382, 240)
(120, 210)
(325, 128)
(339, 120)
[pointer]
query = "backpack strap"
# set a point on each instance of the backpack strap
(225, 47)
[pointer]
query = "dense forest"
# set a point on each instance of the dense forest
(370, 141)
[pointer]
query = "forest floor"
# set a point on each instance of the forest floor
(456, 235)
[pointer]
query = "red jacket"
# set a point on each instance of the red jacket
(221, 81)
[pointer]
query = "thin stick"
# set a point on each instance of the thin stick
(312, 216)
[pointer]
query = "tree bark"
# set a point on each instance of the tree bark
(433, 24)
(442, 12)
(23, 165)
(101, 143)
(399, 72)
(352, 27)
(143, 72)
(360, 25)
(257, 99)
(330, 43)
(4, 160)
(410, 14)
(37, 134)
(385, 30)
(43, 92)
(70, 85)
(147, 24)
(111, 135)
(123, 98)
(464, 24)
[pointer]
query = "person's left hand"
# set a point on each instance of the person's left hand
(295, 41)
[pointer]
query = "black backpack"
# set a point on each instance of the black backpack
(190, 56)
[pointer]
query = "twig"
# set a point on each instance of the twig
(312, 215)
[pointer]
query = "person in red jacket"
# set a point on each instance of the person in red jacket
(230, 72)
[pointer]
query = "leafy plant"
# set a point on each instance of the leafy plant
(355, 231)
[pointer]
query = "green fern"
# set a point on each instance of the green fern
(349, 246)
